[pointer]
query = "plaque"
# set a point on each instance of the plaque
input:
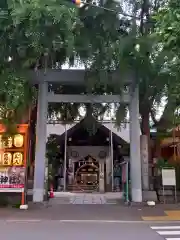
(74, 154)
(102, 154)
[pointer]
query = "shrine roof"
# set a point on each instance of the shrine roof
(77, 132)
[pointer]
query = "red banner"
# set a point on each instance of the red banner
(12, 186)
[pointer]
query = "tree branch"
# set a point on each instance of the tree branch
(167, 118)
(153, 117)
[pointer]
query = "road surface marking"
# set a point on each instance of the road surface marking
(162, 233)
(22, 220)
(97, 221)
(173, 215)
(89, 221)
(167, 231)
(172, 238)
(165, 227)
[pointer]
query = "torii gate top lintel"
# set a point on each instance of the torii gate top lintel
(77, 78)
(69, 76)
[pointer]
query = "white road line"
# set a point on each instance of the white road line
(22, 220)
(68, 221)
(173, 238)
(165, 227)
(93, 221)
(168, 233)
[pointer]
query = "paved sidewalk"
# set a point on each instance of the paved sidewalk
(74, 206)
(81, 212)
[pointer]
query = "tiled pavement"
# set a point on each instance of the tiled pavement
(86, 198)
(170, 215)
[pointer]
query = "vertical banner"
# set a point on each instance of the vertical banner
(13, 160)
(144, 162)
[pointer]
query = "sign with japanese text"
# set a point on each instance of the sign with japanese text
(12, 177)
(13, 152)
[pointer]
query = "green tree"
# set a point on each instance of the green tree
(100, 32)
(34, 34)
(39, 34)
(142, 55)
(167, 29)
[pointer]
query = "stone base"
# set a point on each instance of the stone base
(149, 196)
(136, 195)
(23, 207)
(38, 195)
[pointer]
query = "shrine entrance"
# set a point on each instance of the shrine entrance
(87, 174)
(78, 78)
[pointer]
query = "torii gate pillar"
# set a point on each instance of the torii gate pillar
(40, 152)
(135, 157)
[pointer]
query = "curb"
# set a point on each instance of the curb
(85, 221)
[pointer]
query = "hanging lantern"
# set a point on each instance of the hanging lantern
(7, 159)
(17, 159)
(18, 140)
(9, 142)
(1, 142)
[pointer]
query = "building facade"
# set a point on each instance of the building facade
(90, 162)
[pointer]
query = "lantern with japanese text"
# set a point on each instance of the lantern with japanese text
(13, 154)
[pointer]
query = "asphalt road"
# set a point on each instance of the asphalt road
(77, 230)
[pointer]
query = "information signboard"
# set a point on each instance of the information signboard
(168, 177)
(12, 179)
(169, 180)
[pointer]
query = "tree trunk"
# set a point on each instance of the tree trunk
(145, 129)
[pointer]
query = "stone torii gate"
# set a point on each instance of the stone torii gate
(77, 77)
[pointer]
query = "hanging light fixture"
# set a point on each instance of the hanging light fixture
(17, 159)
(18, 140)
(7, 159)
